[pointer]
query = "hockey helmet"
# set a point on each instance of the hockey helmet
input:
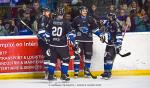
(83, 8)
(44, 9)
(111, 15)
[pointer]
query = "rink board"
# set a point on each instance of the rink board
(40, 75)
(138, 63)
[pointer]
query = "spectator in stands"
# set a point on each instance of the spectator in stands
(125, 7)
(13, 29)
(6, 25)
(124, 20)
(141, 20)
(133, 8)
(109, 9)
(112, 9)
(93, 12)
(25, 24)
(3, 32)
(22, 10)
(147, 7)
(35, 12)
(67, 7)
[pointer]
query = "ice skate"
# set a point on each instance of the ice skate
(51, 77)
(65, 77)
(106, 75)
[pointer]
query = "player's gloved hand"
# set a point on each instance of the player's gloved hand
(44, 36)
(102, 38)
(47, 40)
(118, 48)
(71, 37)
(118, 45)
(77, 50)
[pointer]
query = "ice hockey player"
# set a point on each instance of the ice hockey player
(42, 24)
(59, 31)
(114, 44)
(84, 26)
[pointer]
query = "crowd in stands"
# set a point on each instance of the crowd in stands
(131, 14)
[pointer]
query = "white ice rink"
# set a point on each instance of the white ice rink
(115, 82)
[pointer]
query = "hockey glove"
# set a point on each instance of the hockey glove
(118, 49)
(118, 43)
(44, 36)
(102, 38)
(77, 48)
(71, 36)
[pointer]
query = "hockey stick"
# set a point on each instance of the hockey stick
(128, 53)
(34, 32)
(124, 55)
(94, 77)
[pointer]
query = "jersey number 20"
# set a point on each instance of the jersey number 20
(57, 31)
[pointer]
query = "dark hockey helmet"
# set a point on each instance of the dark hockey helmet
(60, 11)
(45, 9)
(83, 8)
(111, 15)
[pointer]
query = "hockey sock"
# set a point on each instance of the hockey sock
(51, 69)
(87, 65)
(87, 62)
(107, 67)
(76, 68)
(64, 68)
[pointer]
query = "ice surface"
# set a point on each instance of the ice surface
(115, 82)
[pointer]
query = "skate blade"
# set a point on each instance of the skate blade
(52, 80)
(86, 76)
(106, 78)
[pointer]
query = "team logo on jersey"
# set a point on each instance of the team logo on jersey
(84, 29)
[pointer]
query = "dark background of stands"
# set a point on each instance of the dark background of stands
(9, 12)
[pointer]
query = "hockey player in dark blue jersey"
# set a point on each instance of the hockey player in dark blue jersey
(113, 47)
(84, 26)
(42, 24)
(59, 31)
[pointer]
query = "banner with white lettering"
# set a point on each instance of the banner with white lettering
(20, 54)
